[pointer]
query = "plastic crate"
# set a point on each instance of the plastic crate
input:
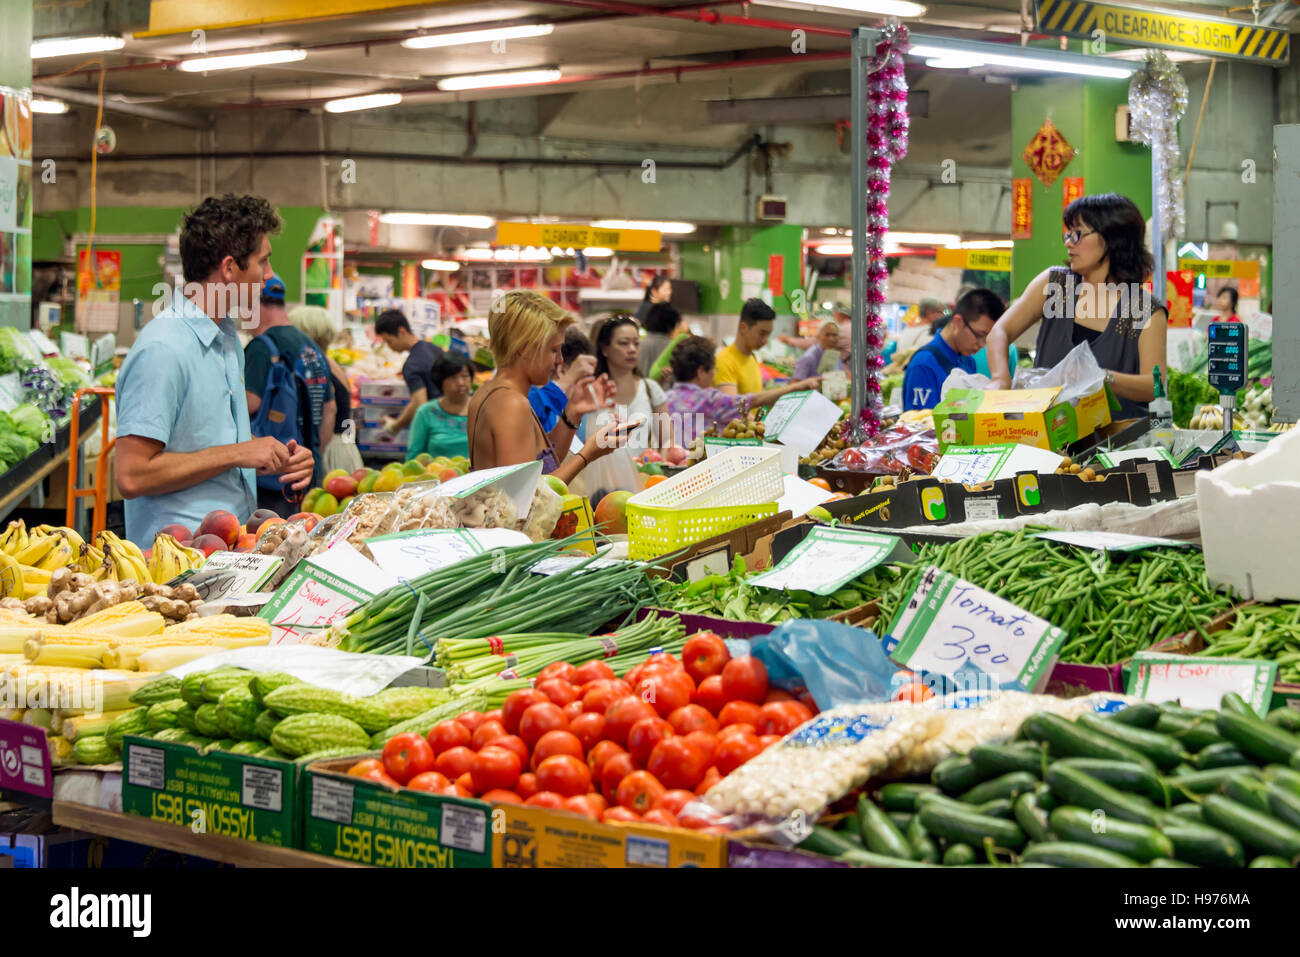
(733, 488)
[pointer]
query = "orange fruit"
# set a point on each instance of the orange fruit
(839, 495)
(821, 483)
(653, 480)
(611, 513)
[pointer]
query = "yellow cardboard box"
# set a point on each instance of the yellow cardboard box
(1029, 416)
(540, 837)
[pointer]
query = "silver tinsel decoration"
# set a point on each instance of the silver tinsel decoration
(1157, 100)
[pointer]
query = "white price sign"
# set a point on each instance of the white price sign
(801, 420)
(828, 557)
(1202, 682)
(1112, 541)
(973, 464)
(411, 553)
(948, 621)
(323, 589)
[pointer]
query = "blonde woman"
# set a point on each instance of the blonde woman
(318, 325)
(527, 332)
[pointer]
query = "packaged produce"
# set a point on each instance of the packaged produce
(543, 513)
(905, 446)
(287, 541)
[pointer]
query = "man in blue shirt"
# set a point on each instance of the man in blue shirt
(184, 447)
(953, 348)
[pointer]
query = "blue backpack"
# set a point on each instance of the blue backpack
(285, 406)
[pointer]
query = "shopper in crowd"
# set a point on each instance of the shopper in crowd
(931, 311)
(694, 368)
(576, 362)
(527, 332)
(1098, 299)
(617, 350)
(738, 371)
(318, 325)
(1225, 303)
(828, 340)
(662, 324)
(184, 446)
(276, 340)
(439, 427)
(659, 291)
(417, 371)
(953, 348)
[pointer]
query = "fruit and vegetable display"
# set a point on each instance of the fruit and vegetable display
(835, 442)
(748, 426)
(905, 446)
(337, 488)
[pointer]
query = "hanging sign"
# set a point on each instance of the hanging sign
(1048, 153)
(1022, 207)
(1071, 189)
(989, 260)
(577, 235)
(1222, 268)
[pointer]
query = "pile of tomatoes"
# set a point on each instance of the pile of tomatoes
(614, 749)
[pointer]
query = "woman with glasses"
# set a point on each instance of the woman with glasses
(1098, 299)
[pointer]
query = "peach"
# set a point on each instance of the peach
(178, 532)
(309, 519)
(246, 543)
(258, 517)
(267, 524)
(222, 525)
(208, 544)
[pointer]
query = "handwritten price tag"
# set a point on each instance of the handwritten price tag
(320, 591)
(1202, 682)
(411, 553)
(827, 558)
(948, 621)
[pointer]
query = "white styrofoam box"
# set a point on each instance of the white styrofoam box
(369, 440)
(1248, 512)
(380, 391)
(372, 416)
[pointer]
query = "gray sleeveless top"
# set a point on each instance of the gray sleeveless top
(1115, 348)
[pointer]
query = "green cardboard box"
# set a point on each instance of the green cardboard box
(1029, 416)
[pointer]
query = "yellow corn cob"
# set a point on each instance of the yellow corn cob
(77, 725)
(60, 750)
(127, 655)
(12, 714)
(73, 690)
(171, 656)
(227, 625)
(65, 655)
(13, 637)
(39, 718)
(129, 619)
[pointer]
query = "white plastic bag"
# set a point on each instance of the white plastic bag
(1078, 375)
(609, 473)
(961, 379)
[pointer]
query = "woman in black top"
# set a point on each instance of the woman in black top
(1098, 298)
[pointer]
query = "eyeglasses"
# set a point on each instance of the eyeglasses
(1074, 235)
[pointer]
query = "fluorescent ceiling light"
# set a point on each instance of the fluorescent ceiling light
(958, 54)
(669, 228)
(437, 219)
(440, 265)
(921, 239)
(369, 101)
(834, 249)
(475, 254)
(485, 81)
(237, 61)
(984, 244)
(597, 252)
(534, 254)
(68, 46)
(429, 41)
(43, 105)
(882, 8)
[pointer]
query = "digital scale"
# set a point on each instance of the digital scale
(1229, 347)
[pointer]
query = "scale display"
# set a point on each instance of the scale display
(1229, 348)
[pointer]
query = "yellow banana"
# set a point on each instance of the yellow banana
(90, 558)
(193, 557)
(38, 547)
(165, 561)
(73, 539)
(11, 577)
(61, 554)
(14, 538)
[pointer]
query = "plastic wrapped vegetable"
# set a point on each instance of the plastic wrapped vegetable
(544, 512)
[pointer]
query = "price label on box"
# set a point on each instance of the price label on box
(827, 558)
(947, 622)
(1202, 682)
(1112, 541)
(973, 464)
(411, 553)
(801, 420)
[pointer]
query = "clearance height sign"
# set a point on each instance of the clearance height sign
(1164, 28)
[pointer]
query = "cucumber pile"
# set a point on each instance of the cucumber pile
(1153, 786)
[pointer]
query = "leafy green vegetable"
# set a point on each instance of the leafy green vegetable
(16, 351)
(1187, 390)
(29, 421)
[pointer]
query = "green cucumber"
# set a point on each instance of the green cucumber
(900, 818)
(1168, 862)
(1123, 775)
(1066, 854)
(1138, 841)
(1190, 811)
(824, 841)
(1045, 798)
(1203, 845)
(1269, 860)
(1004, 758)
(1005, 786)
(958, 854)
(998, 807)
(1193, 734)
(1073, 786)
(861, 858)
(956, 774)
(1283, 776)
(1282, 803)
(1141, 715)
(900, 796)
(848, 824)
(1033, 820)
(1160, 748)
(969, 826)
(1258, 738)
(1284, 717)
(1178, 711)
(1236, 704)
(1186, 787)
(1069, 739)
(879, 834)
(923, 846)
(1248, 790)
(1253, 828)
(1225, 754)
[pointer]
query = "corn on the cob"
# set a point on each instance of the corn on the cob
(72, 690)
(60, 750)
(172, 656)
(127, 655)
(63, 655)
(227, 625)
(74, 727)
(39, 718)
(130, 619)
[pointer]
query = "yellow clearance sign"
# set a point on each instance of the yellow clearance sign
(990, 260)
(182, 16)
(577, 235)
(1164, 28)
(1222, 268)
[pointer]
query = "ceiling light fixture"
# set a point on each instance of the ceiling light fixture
(880, 8)
(437, 219)
(487, 81)
(597, 252)
(834, 249)
(921, 239)
(239, 61)
(368, 101)
(667, 228)
(440, 265)
(430, 40)
(44, 105)
(69, 46)
(983, 244)
(952, 53)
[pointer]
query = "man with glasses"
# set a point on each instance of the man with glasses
(953, 348)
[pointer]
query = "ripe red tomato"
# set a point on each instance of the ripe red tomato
(471, 719)
(512, 742)
(643, 737)
(540, 718)
(767, 740)
(494, 768)
(639, 791)
(558, 690)
(673, 801)
(614, 771)
(705, 654)
(527, 785)
(545, 799)
(466, 783)
(695, 822)
(406, 755)
(693, 717)
(678, 763)
(740, 712)
(430, 781)
(590, 671)
(666, 689)
(622, 714)
(660, 816)
(561, 669)
(776, 694)
(589, 727)
(486, 733)
(601, 752)
(705, 741)
(620, 815)
(711, 777)
(737, 729)
(381, 776)
(573, 709)
(517, 704)
(557, 742)
(744, 679)
(564, 774)
(588, 805)
(501, 796)
(446, 735)
(782, 717)
(659, 662)
(493, 715)
(915, 692)
(454, 761)
(456, 790)
(363, 768)
(601, 694)
(709, 694)
(734, 750)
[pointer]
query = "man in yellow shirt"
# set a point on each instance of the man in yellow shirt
(738, 371)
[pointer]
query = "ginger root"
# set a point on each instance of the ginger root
(37, 605)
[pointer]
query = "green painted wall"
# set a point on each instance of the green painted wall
(16, 43)
(743, 247)
(1084, 111)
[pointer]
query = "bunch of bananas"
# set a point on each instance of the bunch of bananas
(116, 559)
(27, 557)
(168, 558)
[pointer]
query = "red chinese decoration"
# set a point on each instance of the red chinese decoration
(1048, 153)
(1022, 208)
(1071, 189)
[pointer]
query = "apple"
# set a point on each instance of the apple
(341, 486)
(220, 524)
(208, 544)
(309, 519)
(178, 532)
(560, 488)
(676, 455)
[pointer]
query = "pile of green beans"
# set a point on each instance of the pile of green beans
(1111, 605)
(1268, 632)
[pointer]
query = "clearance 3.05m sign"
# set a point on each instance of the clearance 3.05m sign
(1172, 30)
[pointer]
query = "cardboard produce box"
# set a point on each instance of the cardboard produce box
(383, 392)
(540, 837)
(1030, 416)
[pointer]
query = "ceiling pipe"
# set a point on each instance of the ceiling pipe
(111, 104)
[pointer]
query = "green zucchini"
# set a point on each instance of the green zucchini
(1141, 715)
(1269, 860)
(1283, 776)
(1236, 704)
(997, 759)
(923, 846)
(1282, 803)
(1194, 734)
(900, 818)
(969, 826)
(1069, 739)
(1253, 828)
(958, 854)
(1033, 820)
(1066, 854)
(1045, 798)
(1249, 790)
(1073, 786)
(900, 796)
(1138, 841)
(1005, 786)
(1123, 775)
(879, 834)
(1225, 754)
(824, 841)
(1168, 862)
(957, 774)
(1258, 738)
(1284, 717)
(1186, 787)
(998, 807)
(1190, 811)
(1160, 748)
(1202, 845)
(861, 858)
